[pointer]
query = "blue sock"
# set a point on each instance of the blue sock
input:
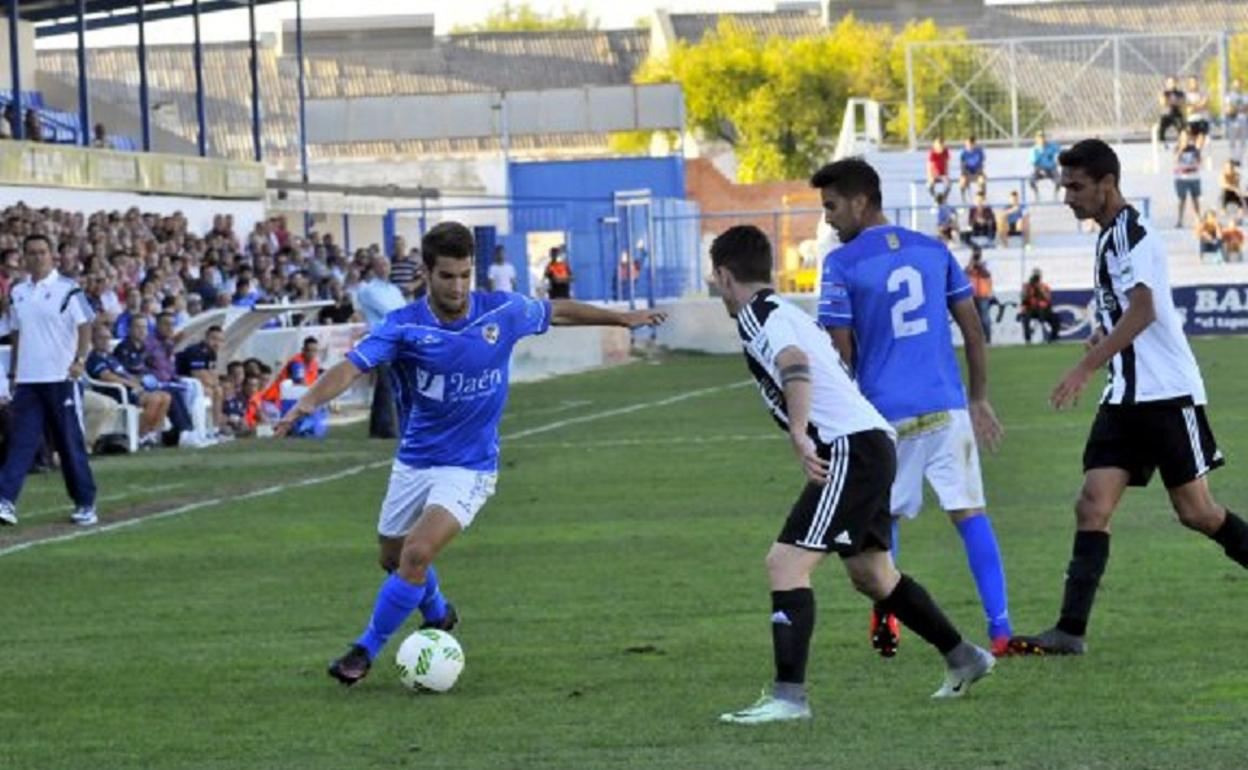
(433, 606)
(396, 600)
(984, 559)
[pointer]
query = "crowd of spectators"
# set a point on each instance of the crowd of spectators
(147, 276)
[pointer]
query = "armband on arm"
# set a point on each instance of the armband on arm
(794, 373)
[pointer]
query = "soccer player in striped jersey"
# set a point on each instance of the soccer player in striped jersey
(845, 448)
(1152, 412)
(886, 297)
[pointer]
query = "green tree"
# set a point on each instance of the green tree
(780, 101)
(1237, 62)
(523, 17)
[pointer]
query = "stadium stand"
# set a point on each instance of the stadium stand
(457, 64)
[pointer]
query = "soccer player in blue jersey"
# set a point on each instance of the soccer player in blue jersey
(886, 297)
(450, 353)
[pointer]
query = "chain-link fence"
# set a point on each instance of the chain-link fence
(1007, 90)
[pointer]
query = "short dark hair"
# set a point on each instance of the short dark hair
(37, 237)
(745, 252)
(850, 177)
(446, 239)
(213, 328)
(310, 341)
(163, 315)
(1095, 157)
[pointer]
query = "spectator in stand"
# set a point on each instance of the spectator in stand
(33, 126)
(974, 168)
(946, 219)
(1187, 174)
(502, 276)
(1015, 220)
(377, 297)
(307, 360)
(1229, 181)
(982, 223)
(405, 271)
(132, 353)
(1197, 113)
(8, 126)
(102, 365)
(259, 411)
(1209, 234)
(1036, 305)
(981, 289)
(1044, 165)
(67, 260)
(199, 362)
(1235, 113)
(1173, 106)
(234, 408)
(175, 305)
(100, 139)
(134, 310)
(235, 373)
(938, 169)
(1233, 240)
(245, 295)
(342, 310)
(194, 306)
(558, 275)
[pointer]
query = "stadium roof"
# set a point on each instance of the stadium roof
(59, 17)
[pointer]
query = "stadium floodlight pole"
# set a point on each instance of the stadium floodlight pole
(15, 67)
(145, 112)
(303, 112)
(255, 82)
(199, 83)
(84, 94)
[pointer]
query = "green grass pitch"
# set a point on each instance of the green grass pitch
(614, 602)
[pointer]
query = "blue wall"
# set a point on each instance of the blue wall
(580, 193)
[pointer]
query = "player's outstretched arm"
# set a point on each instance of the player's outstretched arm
(328, 386)
(566, 312)
(1140, 313)
(984, 420)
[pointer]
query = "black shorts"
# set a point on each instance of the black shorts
(1198, 127)
(851, 513)
(1172, 435)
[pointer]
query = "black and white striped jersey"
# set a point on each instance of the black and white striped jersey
(1158, 364)
(768, 324)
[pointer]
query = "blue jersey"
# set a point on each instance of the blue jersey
(451, 378)
(973, 159)
(893, 288)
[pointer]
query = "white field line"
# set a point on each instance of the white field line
(277, 488)
(657, 441)
(131, 491)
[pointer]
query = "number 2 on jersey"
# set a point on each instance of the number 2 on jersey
(909, 280)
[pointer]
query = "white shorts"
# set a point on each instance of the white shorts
(461, 491)
(941, 447)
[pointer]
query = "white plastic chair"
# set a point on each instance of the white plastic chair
(126, 419)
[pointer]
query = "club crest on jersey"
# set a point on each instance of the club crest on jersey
(892, 240)
(490, 333)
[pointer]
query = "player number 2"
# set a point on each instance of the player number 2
(909, 280)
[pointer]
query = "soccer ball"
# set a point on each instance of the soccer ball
(429, 660)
